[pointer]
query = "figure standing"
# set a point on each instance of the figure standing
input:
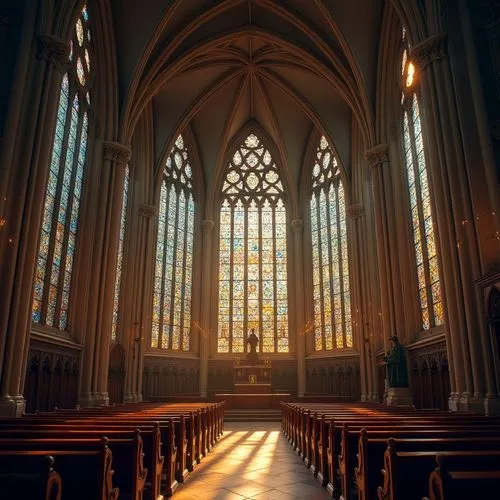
(253, 340)
(395, 361)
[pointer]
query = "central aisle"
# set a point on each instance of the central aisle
(252, 460)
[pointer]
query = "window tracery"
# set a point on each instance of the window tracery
(331, 288)
(424, 239)
(171, 326)
(52, 286)
(252, 253)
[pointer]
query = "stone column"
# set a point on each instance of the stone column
(378, 161)
(134, 339)
(206, 300)
(298, 230)
(25, 158)
(93, 390)
(469, 351)
(354, 213)
(118, 156)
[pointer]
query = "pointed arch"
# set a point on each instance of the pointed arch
(253, 225)
(172, 294)
(330, 260)
(53, 278)
(419, 194)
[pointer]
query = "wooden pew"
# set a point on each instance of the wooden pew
(198, 427)
(465, 479)
(129, 471)
(95, 460)
(406, 473)
(34, 479)
(150, 438)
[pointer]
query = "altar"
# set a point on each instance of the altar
(252, 379)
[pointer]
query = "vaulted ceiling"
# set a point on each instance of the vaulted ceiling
(291, 65)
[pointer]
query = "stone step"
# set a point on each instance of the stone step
(256, 415)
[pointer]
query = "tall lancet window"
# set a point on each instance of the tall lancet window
(119, 262)
(252, 253)
(331, 290)
(52, 287)
(174, 253)
(426, 264)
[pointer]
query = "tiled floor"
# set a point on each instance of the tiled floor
(251, 461)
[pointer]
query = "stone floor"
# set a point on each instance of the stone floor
(252, 460)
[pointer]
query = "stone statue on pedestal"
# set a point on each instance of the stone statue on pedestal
(253, 340)
(398, 393)
(395, 360)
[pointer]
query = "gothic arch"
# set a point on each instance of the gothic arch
(214, 189)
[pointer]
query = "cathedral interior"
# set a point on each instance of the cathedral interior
(177, 173)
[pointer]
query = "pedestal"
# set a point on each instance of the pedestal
(399, 396)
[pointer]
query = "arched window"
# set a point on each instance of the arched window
(174, 253)
(56, 253)
(429, 289)
(119, 263)
(331, 291)
(252, 253)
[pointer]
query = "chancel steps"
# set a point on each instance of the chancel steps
(257, 415)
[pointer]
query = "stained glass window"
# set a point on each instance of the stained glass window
(174, 253)
(427, 272)
(52, 287)
(119, 263)
(331, 290)
(252, 253)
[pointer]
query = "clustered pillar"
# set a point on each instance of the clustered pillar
(208, 226)
(470, 355)
(23, 178)
(107, 233)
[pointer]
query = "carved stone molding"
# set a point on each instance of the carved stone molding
(377, 155)
(147, 211)
(208, 225)
(116, 152)
(430, 50)
(54, 50)
(297, 225)
(355, 211)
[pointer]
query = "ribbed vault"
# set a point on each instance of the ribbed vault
(215, 66)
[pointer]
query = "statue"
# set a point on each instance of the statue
(253, 340)
(395, 361)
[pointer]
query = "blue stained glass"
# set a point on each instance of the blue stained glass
(60, 180)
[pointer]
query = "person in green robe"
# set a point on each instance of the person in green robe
(395, 361)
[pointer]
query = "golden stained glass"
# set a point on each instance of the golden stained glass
(429, 293)
(252, 252)
(332, 310)
(174, 253)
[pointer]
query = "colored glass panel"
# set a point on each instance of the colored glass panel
(252, 253)
(52, 286)
(174, 253)
(429, 293)
(331, 293)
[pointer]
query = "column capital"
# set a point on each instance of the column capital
(116, 152)
(429, 50)
(54, 50)
(208, 225)
(355, 211)
(297, 225)
(377, 155)
(147, 211)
